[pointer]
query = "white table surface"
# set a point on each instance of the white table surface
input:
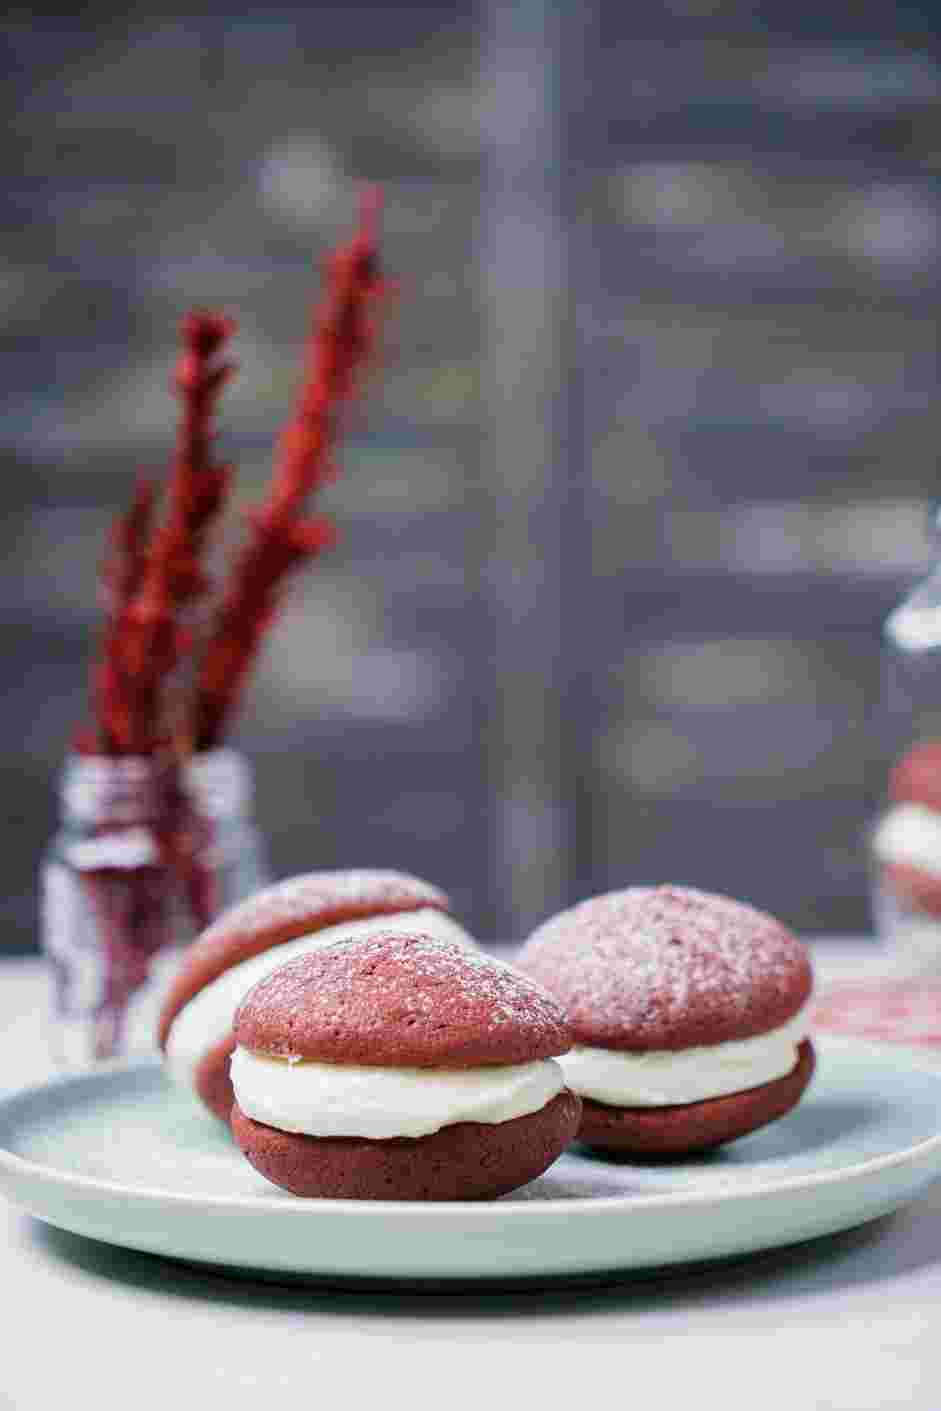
(847, 1323)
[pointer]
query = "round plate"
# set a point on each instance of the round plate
(120, 1155)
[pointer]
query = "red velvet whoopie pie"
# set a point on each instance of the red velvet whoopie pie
(292, 916)
(907, 839)
(688, 1014)
(400, 1068)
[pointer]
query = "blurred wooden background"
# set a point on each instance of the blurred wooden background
(651, 456)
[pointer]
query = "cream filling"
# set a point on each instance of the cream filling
(349, 1100)
(910, 834)
(661, 1078)
(207, 1019)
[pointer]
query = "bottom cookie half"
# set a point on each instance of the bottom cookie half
(697, 1126)
(466, 1161)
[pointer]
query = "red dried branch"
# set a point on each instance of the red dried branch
(122, 574)
(198, 486)
(147, 639)
(339, 347)
(123, 569)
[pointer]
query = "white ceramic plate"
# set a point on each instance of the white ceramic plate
(121, 1156)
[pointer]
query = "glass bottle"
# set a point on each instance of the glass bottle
(905, 843)
(146, 855)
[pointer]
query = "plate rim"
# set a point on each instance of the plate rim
(22, 1167)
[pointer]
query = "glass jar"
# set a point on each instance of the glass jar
(905, 842)
(146, 855)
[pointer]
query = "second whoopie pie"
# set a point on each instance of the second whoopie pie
(688, 1013)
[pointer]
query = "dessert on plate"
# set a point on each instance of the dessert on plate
(906, 841)
(400, 1067)
(688, 1014)
(288, 919)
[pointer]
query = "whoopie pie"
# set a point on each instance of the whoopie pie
(293, 916)
(400, 1067)
(688, 1014)
(906, 842)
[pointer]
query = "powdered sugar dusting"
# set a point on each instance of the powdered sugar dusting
(393, 998)
(668, 968)
(296, 899)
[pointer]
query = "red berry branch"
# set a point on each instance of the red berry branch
(198, 485)
(124, 567)
(122, 574)
(154, 576)
(339, 346)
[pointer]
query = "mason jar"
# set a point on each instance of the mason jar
(146, 854)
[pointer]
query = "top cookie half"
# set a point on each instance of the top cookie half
(298, 906)
(668, 968)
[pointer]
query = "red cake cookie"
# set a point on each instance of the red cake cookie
(906, 841)
(400, 1068)
(916, 778)
(248, 940)
(688, 1014)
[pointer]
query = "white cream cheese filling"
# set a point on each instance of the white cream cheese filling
(348, 1100)
(207, 1019)
(910, 834)
(661, 1078)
